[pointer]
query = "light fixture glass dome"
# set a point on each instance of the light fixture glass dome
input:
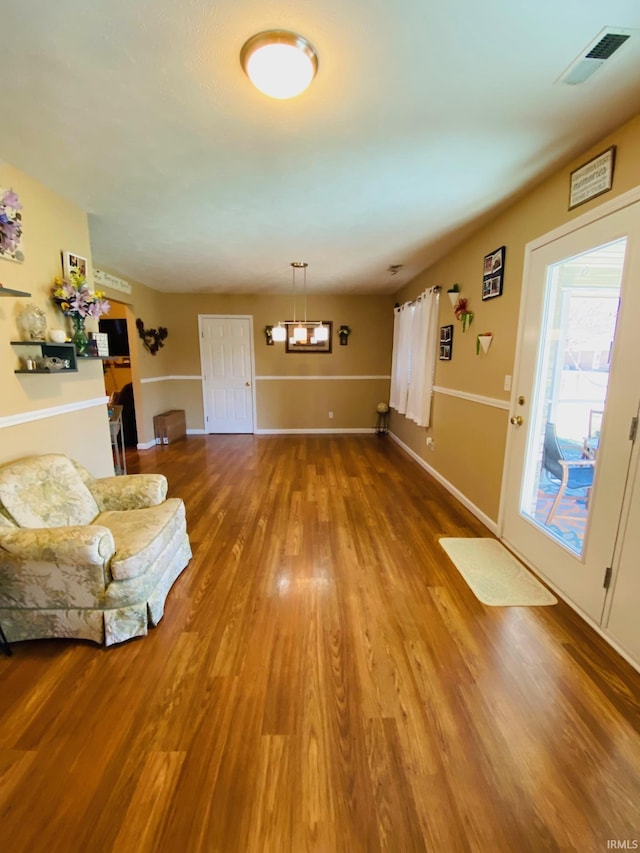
(321, 333)
(279, 333)
(278, 63)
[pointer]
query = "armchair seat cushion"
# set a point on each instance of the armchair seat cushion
(140, 535)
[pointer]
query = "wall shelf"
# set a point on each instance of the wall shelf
(7, 291)
(50, 350)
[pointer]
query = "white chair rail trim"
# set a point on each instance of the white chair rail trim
(51, 412)
(473, 398)
(150, 379)
(317, 378)
(166, 379)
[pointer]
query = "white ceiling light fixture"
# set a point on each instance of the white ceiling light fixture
(298, 329)
(279, 63)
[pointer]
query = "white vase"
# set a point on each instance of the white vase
(485, 342)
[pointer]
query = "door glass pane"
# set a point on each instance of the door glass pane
(570, 392)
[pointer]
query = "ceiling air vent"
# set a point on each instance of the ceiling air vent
(594, 55)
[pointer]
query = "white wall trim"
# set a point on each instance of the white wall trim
(357, 430)
(290, 378)
(52, 412)
(196, 432)
(145, 445)
(488, 522)
(473, 398)
(167, 379)
(599, 212)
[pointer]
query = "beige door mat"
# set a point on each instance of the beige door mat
(494, 575)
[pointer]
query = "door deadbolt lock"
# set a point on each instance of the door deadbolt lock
(521, 401)
(516, 420)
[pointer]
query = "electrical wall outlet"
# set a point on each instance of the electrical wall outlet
(330, 415)
(507, 382)
(430, 443)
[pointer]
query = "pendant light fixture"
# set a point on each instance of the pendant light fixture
(279, 63)
(297, 330)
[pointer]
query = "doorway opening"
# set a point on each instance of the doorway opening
(120, 368)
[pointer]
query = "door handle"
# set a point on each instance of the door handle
(248, 384)
(516, 420)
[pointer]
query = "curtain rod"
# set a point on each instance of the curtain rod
(436, 289)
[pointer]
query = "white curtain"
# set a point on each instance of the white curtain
(422, 358)
(400, 365)
(414, 357)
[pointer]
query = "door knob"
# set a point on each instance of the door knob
(247, 384)
(516, 420)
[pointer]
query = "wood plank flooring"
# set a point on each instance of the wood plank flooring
(323, 680)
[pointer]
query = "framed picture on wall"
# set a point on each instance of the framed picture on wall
(493, 273)
(313, 343)
(72, 263)
(446, 342)
(592, 178)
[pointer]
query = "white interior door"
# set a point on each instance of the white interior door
(226, 354)
(577, 366)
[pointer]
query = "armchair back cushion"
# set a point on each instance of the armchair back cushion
(46, 491)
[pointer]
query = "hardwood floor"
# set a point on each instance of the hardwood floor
(322, 680)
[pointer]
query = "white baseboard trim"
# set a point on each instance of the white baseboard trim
(356, 431)
(488, 522)
(51, 412)
(363, 431)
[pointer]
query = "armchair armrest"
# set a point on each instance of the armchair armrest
(577, 463)
(54, 567)
(131, 491)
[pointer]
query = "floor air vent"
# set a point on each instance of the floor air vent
(594, 56)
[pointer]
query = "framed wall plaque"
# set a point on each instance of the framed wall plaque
(592, 178)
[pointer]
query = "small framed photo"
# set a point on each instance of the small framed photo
(446, 342)
(72, 263)
(493, 273)
(102, 343)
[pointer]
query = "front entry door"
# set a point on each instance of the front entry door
(578, 389)
(226, 354)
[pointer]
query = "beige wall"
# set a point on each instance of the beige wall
(171, 378)
(469, 438)
(55, 413)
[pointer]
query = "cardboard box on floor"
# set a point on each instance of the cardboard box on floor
(169, 426)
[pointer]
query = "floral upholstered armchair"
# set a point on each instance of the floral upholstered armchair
(85, 557)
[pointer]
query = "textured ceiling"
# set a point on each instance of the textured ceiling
(423, 119)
